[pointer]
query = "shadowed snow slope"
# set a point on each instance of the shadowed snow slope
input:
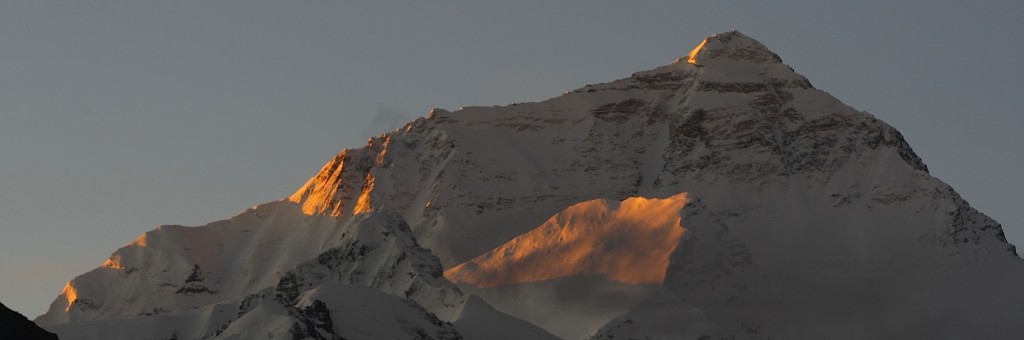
(481, 321)
(571, 307)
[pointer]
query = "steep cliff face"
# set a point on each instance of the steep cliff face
(802, 218)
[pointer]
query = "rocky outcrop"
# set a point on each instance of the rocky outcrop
(17, 326)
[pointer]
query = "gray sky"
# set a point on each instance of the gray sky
(118, 116)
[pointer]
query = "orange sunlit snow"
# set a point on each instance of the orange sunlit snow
(113, 262)
(692, 57)
(317, 195)
(70, 294)
(141, 241)
(628, 243)
(363, 204)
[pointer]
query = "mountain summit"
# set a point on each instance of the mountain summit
(730, 46)
(719, 196)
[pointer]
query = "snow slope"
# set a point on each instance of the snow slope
(626, 242)
(328, 311)
(804, 219)
(300, 279)
(175, 267)
(481, 321)
(587, 270)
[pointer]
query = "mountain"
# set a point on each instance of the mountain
(17, 326)
(719, 196)
(271, 272)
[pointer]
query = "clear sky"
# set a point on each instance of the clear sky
(118, 116)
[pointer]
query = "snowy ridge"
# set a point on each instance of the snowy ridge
(174, 267)
(378, 252)
(628, 242)
(373, 261)
(328, 311)
(804, 219)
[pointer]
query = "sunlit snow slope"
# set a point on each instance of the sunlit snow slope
(627, 242)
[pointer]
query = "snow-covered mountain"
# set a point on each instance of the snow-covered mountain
(721, 195)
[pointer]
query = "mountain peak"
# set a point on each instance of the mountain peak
(730, 46)
(575, 214)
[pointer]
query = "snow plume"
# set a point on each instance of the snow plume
(385, 118)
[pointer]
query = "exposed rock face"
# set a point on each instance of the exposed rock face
(17, 326)
(345, 311)
(804, 219)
